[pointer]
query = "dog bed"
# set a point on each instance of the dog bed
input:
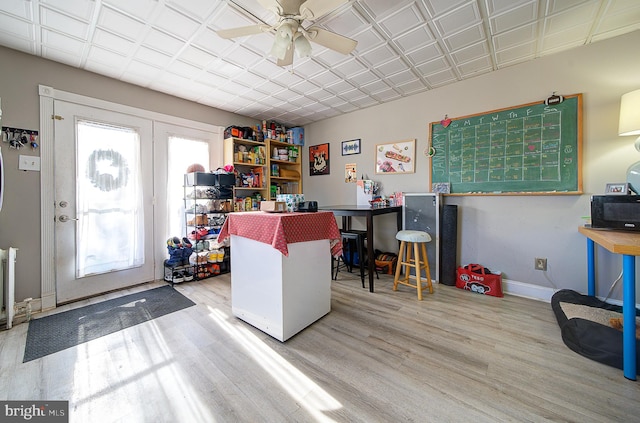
(586, 327)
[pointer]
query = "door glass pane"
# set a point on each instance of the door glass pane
(110, 230)
(183, 152)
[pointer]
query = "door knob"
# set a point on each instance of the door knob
(64, 218)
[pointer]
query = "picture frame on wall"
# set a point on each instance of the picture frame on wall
(617, 188)
(350, 147)
(319, 159)
(396, 157)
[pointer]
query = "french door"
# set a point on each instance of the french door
(103, 167)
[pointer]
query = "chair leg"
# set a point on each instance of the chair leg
(361, 257)
(399, 265)
(426, 267)
(416, 250)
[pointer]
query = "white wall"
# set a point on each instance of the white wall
(503, 232)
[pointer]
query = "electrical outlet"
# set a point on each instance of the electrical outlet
(541, 264)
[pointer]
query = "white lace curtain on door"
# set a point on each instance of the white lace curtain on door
(110, 235)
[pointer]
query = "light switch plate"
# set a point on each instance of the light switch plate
(29, 163)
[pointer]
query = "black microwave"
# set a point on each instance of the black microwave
(615, 212)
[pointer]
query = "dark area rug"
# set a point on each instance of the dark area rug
(60, 331)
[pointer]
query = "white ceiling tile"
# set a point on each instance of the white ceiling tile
(402, 20)
(63, 23)
(183, 69)
(415, 39)
(162, 42)
(198, 9)
(196, 56)
(142, 10)
(499, 6)
(378, 55)
(379, 8)
(350, 67)
(471, 35)
(374, 87)
(513, 18)
(178, 24)
(152, 57)
(476, 67)
(524, 34)
(113, 42)
(18, 43)
(439, 7)
(363, 78)
(441, 78)
(457, 19)
(82, 9)
(470, 53)
(62, 42)
(209, 41)
(425, 54)
(118, 23)
(400, 78)
(347, 23)
(367, 40)
(411, 88)
(403, 46)
(555, 6)
(22, 9)
(516, 54)
(393, 66)
(435, 66)
(572, 36)
(16, 27)
(304, 87)
(308, 68)
(386, 95)
(60, 56)
(103, 69)
(577, 16)
(106, 57)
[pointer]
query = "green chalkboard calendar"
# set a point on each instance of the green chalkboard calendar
(523, 150)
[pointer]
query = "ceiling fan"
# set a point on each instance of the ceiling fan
(289, 33)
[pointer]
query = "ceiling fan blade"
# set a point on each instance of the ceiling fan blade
(288, 58)
(313, 9)
(242, 31)
(331, 40)
(272, 5)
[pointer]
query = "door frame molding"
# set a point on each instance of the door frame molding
(47, 193)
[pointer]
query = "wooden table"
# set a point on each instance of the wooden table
(347, 211)
(628, 245)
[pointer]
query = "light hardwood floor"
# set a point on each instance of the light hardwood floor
(376, 357)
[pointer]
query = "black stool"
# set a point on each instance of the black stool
(353, 240)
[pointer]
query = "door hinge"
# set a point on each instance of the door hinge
(57, 117)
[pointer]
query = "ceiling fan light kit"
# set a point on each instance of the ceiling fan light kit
(289, 33)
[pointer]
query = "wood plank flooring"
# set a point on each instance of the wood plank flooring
(376, 357)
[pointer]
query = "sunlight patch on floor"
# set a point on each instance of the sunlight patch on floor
(315, 400)
(113, 380)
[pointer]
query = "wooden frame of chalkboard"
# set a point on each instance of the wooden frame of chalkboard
(530, 149)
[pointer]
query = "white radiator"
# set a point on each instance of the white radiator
(8, 277)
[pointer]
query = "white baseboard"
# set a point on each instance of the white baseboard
(527, 290)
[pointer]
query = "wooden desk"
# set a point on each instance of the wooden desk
(347, 211)
(627, 244)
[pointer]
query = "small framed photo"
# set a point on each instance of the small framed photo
(617, 188)
(350, 147)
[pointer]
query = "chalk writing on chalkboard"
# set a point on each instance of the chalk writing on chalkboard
(528, 149)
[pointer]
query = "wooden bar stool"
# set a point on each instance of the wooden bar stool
(413, 242)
